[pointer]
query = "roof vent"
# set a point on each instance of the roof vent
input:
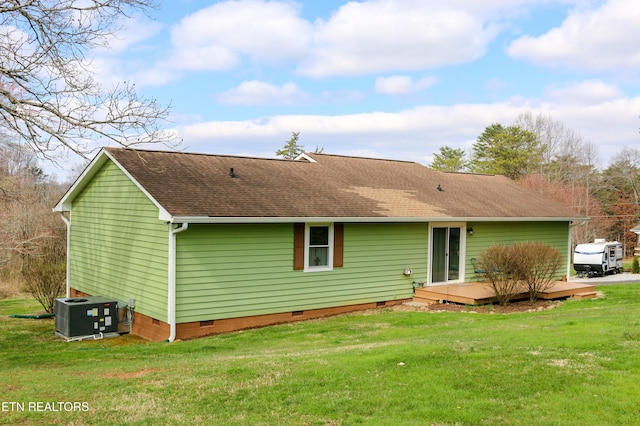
(232, 173)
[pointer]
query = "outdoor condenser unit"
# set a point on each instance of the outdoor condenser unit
(86, 316)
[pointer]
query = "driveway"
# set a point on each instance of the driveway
(624, 278)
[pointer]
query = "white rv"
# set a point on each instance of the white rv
(598, 258)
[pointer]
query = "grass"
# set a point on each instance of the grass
(576, 364)
(10, 287)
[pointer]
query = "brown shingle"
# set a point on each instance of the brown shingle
(199, 185)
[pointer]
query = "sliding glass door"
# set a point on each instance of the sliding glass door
(446, 259)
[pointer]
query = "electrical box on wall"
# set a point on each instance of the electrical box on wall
(86, 316)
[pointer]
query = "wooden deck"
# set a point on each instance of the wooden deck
(482, 294)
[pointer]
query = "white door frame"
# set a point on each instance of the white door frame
(462, 254)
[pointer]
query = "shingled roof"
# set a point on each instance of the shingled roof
(320, 186)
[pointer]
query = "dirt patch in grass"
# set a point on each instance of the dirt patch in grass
(130, 374)
(513, 307)
(11, 388)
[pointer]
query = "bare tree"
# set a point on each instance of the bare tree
(620, 190)
(26, 197)
(569, 165)
(626, 168)
(45, 270)
(49, 96)
(563, 149)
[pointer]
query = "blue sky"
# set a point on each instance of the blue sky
(383, 78)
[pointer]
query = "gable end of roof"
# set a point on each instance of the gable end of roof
(66, 202)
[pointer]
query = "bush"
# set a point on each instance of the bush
(538, 267)
(45, 271)
(45, 282)
(635, 268)
(520, 268)
(499, 268)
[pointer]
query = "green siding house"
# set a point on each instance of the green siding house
(209, 243)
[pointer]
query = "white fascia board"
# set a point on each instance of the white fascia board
(64, 205)
(212, 220)
(521, 219)
(304, 156)
(163, 214)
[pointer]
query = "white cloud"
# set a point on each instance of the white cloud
(121, 60)
(416, 133)
(609, 125)
(372, 36)
(14, 43)
(410, 134)
(203, 58)
(153, 77)
(403, 84)
(135, 30)
(391, 38)
(585, 92)
(218, 36)
(385, 35)
(261, 93)
(598, 39)
(111, 71)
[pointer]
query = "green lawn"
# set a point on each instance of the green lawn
(577, 364)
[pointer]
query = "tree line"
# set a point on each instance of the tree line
(32, 237)
(545, 155)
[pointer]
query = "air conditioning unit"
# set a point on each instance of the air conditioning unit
(86, 317)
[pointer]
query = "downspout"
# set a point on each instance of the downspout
(67, 222)
(171, 297)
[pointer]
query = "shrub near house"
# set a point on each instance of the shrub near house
(518, 268)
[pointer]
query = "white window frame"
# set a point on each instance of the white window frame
(307, 241)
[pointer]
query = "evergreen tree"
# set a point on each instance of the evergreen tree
(450, 160)
(291, 149)
(509, 151)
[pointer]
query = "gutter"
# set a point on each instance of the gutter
(371, 219)
(68, 223)
(171, 296)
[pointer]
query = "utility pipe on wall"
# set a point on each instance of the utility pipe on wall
(68, 223)
(171, 296)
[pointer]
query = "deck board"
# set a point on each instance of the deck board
(481, 293)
